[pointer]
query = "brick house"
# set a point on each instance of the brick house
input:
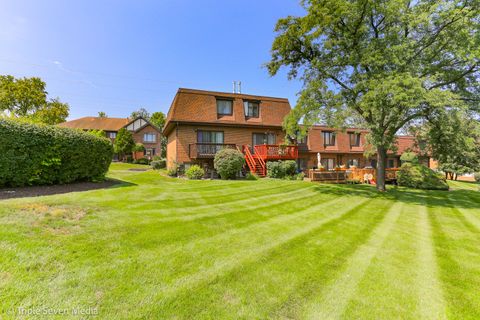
(199, 123)
(346, 148)
(143, 131)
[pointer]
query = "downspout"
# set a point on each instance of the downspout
(176, 144)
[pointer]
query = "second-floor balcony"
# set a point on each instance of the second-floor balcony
(207, 150)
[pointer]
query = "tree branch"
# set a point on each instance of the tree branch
(463, 74)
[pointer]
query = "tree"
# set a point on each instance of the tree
(102, 114)
(26, 98)
(379, 64)
(142, 112)
(124, 143)
(453, 138)
(158, 119)
(97, 133)
(53, 112)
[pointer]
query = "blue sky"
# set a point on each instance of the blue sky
(118, 56)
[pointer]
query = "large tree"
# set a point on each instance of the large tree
(124, 143)
(380, 64)
(26, 98)
(142, 112)
(158, 119)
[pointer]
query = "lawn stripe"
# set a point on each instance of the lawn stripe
(470, 218)
(431, 300)
(332, 304)
(258, 247)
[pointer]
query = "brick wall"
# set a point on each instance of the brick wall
(138, 137)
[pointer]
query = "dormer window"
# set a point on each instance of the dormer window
(354, 139)
(224, 107)
(328, 138)
(252, 109)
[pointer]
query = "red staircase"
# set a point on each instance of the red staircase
(255, 163)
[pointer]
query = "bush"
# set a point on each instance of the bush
(420, 177)
(138, 147)
(156, 158)
(142, 161)
(129, 158)
(300, 176)
(477, 176)
(282, 169)
(195, 172)
(275, 170)
(32, 154)
(251, 176)
(409, 157)
(172, 172)
(159, 164)
(228, 162)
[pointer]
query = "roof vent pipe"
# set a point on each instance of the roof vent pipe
(239, 86)
(234, 86)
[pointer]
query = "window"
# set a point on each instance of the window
(263, 138)
(150, 137)
(328, 138)
(328, 164)
(149, 152)
(224, 107)
(210, 137)
(352, 162)
(391, 163)
(354, 139)
(112, 135)
(251, 109)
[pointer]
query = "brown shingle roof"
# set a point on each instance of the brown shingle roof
(97, 123)
(198, 106)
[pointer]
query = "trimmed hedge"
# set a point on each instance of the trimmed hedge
(228, 162)
(32, 154)
(420, 177)
(281, 169)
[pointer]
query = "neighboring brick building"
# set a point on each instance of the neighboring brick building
(143, 131)
(199, 123)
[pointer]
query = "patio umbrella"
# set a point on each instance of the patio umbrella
(319, 160)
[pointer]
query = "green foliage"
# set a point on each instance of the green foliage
(32, 154)
(158, 119)
(97, 133)
(477, 176)
(172, 172)
(300, 176)
(251, 176)
(159, 164)
(228, 162)
(124, 142)
(142, 161)
(195, 172)
(102, 114)
(420, 177)
(138, 147)
(27, 98)
(378, 65)
(281, 169)
(409, 157)
(142, 112)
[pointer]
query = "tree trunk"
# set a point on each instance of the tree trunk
(456, 176)
(381, 162)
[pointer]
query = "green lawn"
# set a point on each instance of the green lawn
(157, 247)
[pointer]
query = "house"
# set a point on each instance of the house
(346, 148)
(200, 123)
(143, 131)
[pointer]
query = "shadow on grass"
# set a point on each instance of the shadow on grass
(459, 198)
(36, 191)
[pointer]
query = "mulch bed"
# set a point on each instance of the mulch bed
(35, 191)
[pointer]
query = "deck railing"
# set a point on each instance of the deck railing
(276, 152)
(207, 150)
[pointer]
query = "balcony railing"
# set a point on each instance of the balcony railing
(207, 150)
(276, 152)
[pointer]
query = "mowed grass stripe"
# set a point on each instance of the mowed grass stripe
(333, 302)
(236, 248)
(431, 301)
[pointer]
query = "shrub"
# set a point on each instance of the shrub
(159, 164)
(477, 176)
(409, 157)
(157, 158)
(300, 176)
(420, 177)
(138, 147)
(32, 154)
(172, 172)
(129, 158)
(282, 169)
(228, 162)
(275, 169)
(142, 161)
(195, 172)
(251, 176)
